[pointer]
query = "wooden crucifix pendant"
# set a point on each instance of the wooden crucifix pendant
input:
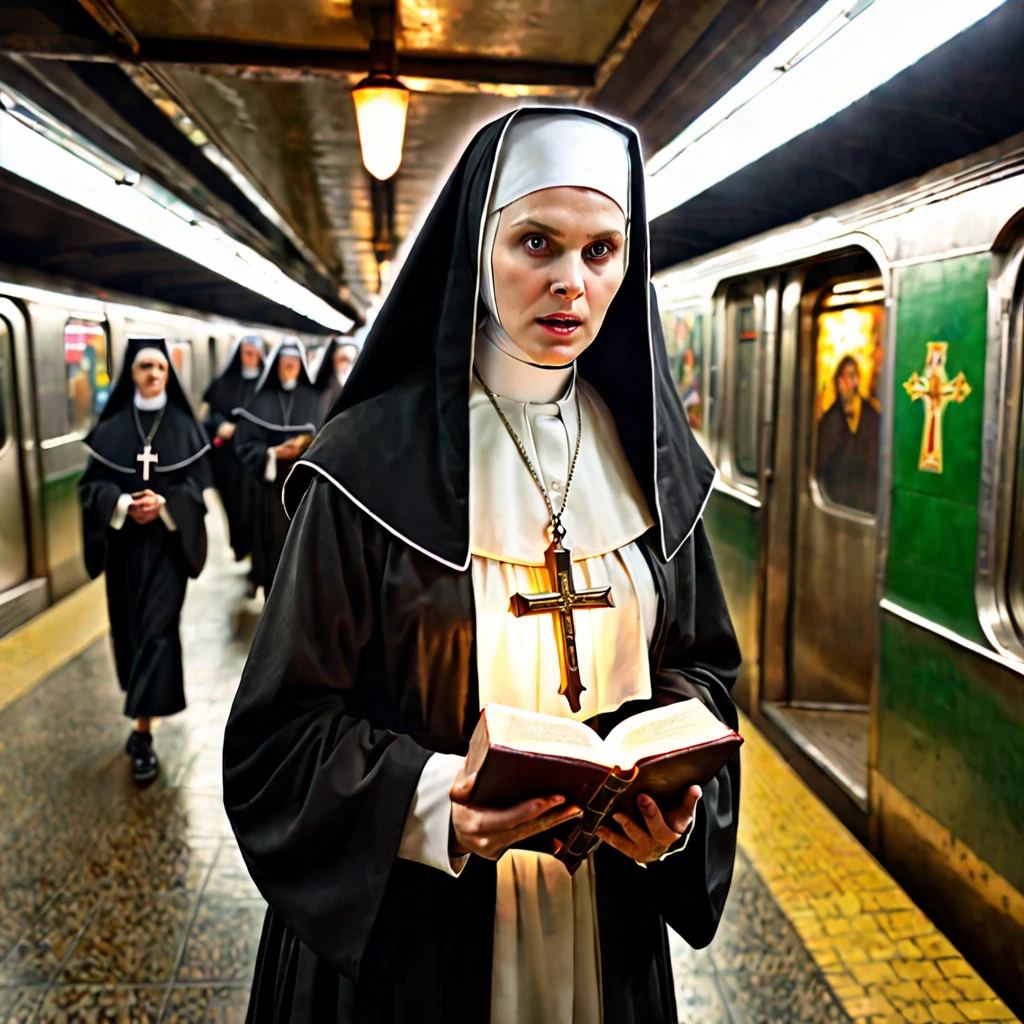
(146, 458)
(561, 602)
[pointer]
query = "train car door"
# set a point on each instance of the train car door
(824, 507)
(14, 550)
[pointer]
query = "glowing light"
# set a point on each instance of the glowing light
(146, 209)
(382, 103)
(837, 56)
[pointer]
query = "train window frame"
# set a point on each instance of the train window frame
(752, 292)
(811, 324)
(71, 421)
(1001, 487)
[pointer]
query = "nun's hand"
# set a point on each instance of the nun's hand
(145, 508)
(488, 832)
(650, 838)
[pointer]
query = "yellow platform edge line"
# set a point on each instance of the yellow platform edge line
(883, 958)
(55, 636)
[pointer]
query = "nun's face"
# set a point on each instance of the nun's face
(252, 357)
(558, 261)
(288, 368)
(150, 375)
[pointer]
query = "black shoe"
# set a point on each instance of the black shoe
(144, 763)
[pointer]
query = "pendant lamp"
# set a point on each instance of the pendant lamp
(382, 103)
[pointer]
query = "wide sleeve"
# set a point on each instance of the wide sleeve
(317, 795)
(98, 495)
(186, 507)
(251, 445)
(701, 659)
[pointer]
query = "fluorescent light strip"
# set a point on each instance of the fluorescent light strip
(838, 56)
(33, 156)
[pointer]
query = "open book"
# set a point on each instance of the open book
(518, 755)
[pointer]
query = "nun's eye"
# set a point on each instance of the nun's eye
(535, 243)
(599, 250)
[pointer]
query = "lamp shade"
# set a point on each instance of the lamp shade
(382, 103)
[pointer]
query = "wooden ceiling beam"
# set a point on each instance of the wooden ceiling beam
(247, 60)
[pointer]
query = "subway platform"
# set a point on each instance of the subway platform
(130, 905)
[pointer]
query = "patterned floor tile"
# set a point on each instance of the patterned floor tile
(19, 1005)
(133, 938)
(95, 1004)
(223, 941)
(756, 969)
(37, 958)
(230, 876)
(206, 1006)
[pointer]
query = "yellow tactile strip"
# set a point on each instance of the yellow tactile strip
(31, 653)
(885, 961)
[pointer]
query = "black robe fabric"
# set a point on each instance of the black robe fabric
(147, 567)
(362, 667)
(364, 662)
(239, 493)
(271, 418)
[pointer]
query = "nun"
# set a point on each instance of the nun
(512, 408)
(336, 362)
(232, 389)
(272, 431)
(143, 524)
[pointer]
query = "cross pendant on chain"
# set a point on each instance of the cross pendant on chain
(561, 602)
(146, 458)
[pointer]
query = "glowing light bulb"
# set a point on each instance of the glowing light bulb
(382, 103)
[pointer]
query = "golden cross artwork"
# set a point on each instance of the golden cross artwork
(936, 390)
(561, 603)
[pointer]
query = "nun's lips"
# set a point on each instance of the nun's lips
(561, 325)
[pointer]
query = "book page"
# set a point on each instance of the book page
(675, 727)
(542, 734)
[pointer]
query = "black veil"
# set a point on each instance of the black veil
(397, 439)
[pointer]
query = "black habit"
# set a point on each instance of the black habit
(147, 567)
(273, 416)
(239, 492)
(364, 664)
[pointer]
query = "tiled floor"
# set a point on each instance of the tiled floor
(120, 905)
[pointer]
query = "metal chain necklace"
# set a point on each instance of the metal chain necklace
(564, 597)
(147, 458)
(287, 405)
(557, 529)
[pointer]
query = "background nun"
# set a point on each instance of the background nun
(273, 430)
(143, 524)
(430, 497)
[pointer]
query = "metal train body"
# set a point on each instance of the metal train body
(882, 620)
(60, 345)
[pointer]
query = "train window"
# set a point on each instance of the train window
(87, 364)
(684, 342)
(745, 393)
(848, 364)
(181, 356)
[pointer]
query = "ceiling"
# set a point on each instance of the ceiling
(243, 106)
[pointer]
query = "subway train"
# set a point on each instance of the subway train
(857, 379)
(60, 347)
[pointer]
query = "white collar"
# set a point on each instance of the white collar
(251, 372)
(515, 379)
(289, 385)
(154, 404)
